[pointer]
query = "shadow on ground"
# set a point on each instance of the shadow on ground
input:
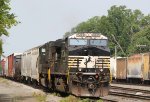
(8, 98)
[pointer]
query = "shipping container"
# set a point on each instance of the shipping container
(113, 67)
(135, 65)
(146, 69)
(121, 73)
(29, 64)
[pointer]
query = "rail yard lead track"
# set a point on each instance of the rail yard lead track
(130, 92)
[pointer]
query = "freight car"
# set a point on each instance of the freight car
(13, 66)
(29, 66)
(134, 69)
(78, 64)
(138, 67)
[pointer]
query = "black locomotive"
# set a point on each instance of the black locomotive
(78, 64)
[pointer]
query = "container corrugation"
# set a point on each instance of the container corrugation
(121, 68)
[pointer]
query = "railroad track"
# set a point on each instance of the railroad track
(130, 92)
(136, 84)
(130, 95)
(130, 89)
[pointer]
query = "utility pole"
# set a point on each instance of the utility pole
(118, 44)
(115, 51)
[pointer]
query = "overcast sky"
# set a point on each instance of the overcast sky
(46, 20)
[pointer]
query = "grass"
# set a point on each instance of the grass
(40, 97)
(2, 80)
(56, 94)
(70, 99)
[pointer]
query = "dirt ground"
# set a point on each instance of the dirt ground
(11, 91)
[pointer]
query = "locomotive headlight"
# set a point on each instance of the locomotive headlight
(101, 70)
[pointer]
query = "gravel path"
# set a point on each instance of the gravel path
(11, 91)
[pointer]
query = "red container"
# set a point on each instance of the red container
(10, 65)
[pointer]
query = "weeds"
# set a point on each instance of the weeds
(40, 97)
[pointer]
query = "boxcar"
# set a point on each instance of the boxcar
(13, 64)
(29, 65)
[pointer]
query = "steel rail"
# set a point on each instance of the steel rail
(130, 89)
(129, 95)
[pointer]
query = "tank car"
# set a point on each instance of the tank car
(78, 64)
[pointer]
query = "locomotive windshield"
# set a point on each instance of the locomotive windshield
(98, 42)
(78, 41)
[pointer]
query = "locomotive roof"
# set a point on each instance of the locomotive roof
(86, 35)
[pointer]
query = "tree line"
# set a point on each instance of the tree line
(128, 30)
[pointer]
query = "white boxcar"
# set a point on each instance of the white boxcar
(29, 64)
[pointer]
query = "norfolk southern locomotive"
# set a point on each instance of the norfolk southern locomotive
(79, 64)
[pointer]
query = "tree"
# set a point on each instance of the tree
(119, 26)
(140, 38)
(7, 19)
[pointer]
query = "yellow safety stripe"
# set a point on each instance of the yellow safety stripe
(49, 74)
